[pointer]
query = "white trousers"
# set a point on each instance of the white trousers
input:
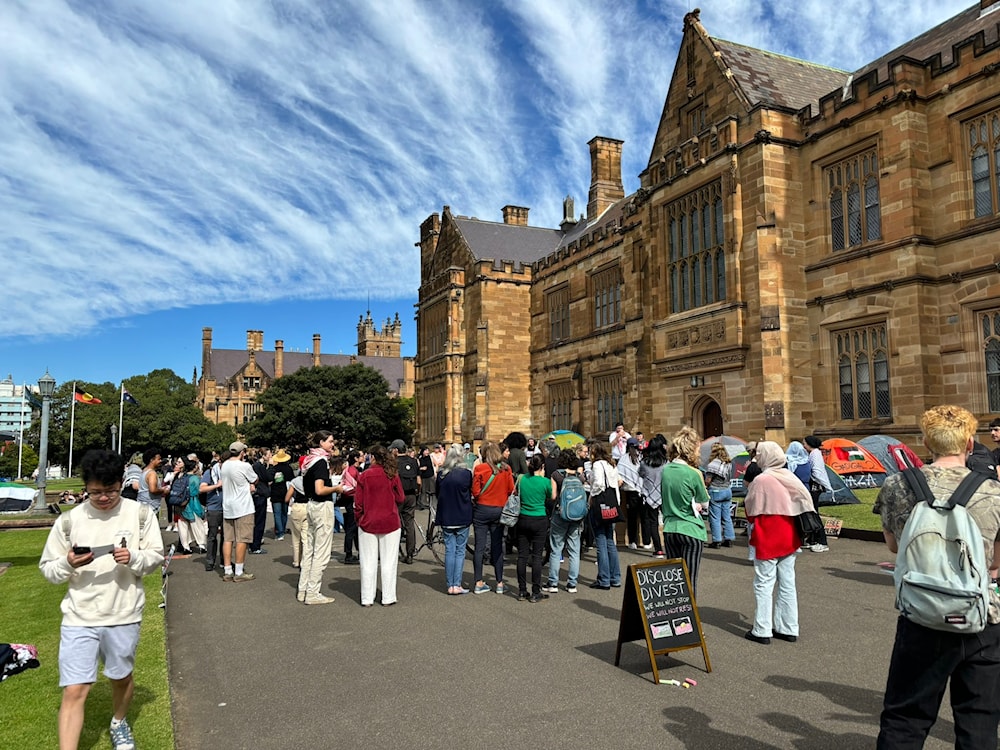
(195, 531)
(372, 550)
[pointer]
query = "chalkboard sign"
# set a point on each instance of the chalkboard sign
(658, 607)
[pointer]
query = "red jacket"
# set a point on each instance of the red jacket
(377, 500)
(498, 491)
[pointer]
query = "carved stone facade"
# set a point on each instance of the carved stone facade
(810, 250)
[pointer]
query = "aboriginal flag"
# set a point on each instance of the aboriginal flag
(85, 398)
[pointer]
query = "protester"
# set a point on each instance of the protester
(237, 513)
(924, 661)
(295, 496)
(492, 483)
(454, 515)
(318, 536)
(211, 487)
(279, 473)
(564, 536)
(720, 494)
(774, 501)
(376, 506)
(819, 483)
(191, 526)
(102, 608)
(682, 488)
(150, 491)
(409, 472)
(604, 476)
(261, 497)
(650, 473)
(628, 470)
(349, 480)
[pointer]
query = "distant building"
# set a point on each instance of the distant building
(809, 250)
(14, 408)
(231, 379)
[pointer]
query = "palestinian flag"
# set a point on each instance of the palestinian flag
(85, 398)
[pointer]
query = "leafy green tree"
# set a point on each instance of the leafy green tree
(8, 461)
(165, 418)
(352, 402)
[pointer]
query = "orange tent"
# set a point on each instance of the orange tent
(859, 468)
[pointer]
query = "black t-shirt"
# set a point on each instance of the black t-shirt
(982, 460)
(319, 470)
(426, 467)
(280, 475)
(408, 471)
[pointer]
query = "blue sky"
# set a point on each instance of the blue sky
(245, 164)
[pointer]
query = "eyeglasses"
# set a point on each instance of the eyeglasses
(103, 492)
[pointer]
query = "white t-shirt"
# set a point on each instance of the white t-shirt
(237, 476)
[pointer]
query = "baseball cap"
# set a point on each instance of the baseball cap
(632, 443)
(467, 446)
(397, 445)
(237, 447)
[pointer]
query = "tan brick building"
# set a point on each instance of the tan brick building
(231, 379)
(810, 249)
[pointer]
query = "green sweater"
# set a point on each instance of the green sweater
(534, 491)
(681, 485)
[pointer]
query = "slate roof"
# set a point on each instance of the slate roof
(491, 240)
(941, 39)
(772, 79)
(228, 362)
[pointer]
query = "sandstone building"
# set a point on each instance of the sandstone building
(809, 250)
(231, 379)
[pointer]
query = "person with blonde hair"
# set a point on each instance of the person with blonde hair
(774, 501)
(720, 495)
(683, 493)
(492, 483)
(923, 660)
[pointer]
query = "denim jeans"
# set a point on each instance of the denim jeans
(486, 522)
(923, 661)
(608, 572)
(455, 539)
(564, 533)
(786, 608)
(719, 514)
(280, 517)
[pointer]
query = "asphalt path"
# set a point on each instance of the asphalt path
(250, 667)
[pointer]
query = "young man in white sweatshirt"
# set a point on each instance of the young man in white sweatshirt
(103, 548)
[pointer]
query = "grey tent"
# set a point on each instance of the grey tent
(890, 452)
(841, 495)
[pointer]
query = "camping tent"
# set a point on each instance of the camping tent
(841, 494)
(893, 454)
(734, 447)
(740, 464)
(859, 468)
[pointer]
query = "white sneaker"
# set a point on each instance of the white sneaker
(550, 589)
(648, 547)
(633, 546)
(819, 548)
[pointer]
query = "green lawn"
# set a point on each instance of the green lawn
(30, 607)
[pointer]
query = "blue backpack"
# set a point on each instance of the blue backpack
(572, 499)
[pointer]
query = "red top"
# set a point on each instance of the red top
(498, 491)
(774, 536)
(376, 501)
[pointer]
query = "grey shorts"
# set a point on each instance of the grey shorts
(80, 648)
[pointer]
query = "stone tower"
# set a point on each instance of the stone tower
(375, 343)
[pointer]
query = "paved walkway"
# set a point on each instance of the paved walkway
(252, 668)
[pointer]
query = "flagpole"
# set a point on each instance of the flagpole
(72, 424)
(20, 437)
(121, 412)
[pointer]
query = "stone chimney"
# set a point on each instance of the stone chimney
(206, 353)
(568, 220)
(605, 174)
(279, 358)
(516, 215)
(315, 350)
(255, 341)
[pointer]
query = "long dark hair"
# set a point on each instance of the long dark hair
(656, 452)
(317, 437)
(384, 458)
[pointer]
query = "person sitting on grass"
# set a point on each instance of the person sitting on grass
(103, 548)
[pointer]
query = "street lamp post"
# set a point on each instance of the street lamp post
(46, 387)
(114, 437)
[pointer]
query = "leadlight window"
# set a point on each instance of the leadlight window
(607, 289)
(434, 411)
(853, 197)
(696, 260)
(984, 153)
(989, 326)
(863, 368)
(561, 409)
(435, 328)
(557, 303)
(609, 396)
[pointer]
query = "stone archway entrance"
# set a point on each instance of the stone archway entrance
(711, 418)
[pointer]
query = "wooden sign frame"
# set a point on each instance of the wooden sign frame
(635, 624)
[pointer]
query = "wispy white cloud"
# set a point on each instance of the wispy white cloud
(155, 155)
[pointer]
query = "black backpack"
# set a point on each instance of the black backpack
(408, 471)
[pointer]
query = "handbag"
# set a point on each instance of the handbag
(605, 507)
(512, 508)
(810, 526)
